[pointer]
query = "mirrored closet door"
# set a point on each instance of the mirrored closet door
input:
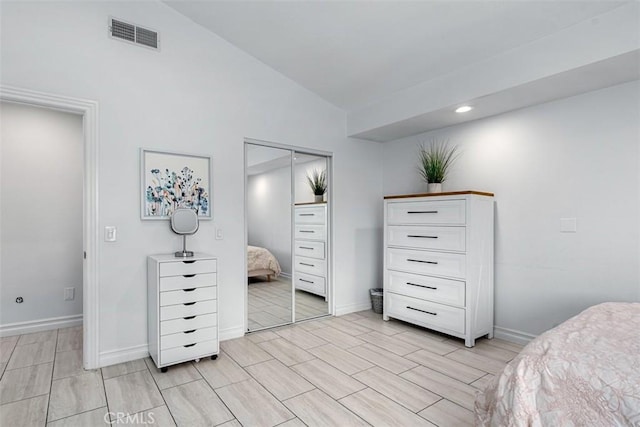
(311, 236)
(288, 235)
(269, 254)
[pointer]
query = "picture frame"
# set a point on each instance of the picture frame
(170, 180)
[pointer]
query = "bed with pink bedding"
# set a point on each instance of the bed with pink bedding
(584, 372)
(261, 262)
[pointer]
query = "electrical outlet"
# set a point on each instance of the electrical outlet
(69, 294)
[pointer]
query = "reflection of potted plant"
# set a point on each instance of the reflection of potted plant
(318, 183)
(435, 161)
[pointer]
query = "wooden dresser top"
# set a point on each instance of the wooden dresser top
(446, 193)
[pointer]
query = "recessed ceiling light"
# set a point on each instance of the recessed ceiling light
(464, 109)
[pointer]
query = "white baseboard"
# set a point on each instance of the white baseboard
(31, 326)
(512, 335)
(352, 308)
(231, 333)
(287, 275)
(113, 357)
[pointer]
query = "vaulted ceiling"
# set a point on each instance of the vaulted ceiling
(399, 67)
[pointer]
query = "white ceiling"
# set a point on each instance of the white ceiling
(261, 158)
(353, 53)
(399, 68)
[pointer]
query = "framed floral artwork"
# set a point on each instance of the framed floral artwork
(174, 180)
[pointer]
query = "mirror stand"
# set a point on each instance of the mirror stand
(184, 253)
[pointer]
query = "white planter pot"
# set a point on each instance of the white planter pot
(319, 199)
(434, 188)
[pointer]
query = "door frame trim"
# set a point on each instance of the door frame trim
(88, 109)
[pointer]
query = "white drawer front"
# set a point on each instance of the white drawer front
(430, 288)
(310, 215)
(189, 281)
(427, 212)
(425, 313)
(186, 324)
(188, 337)
(310, 266)
(309, 249)
(427, 237)
(310, 232)
(311, 283)
(426, 262)
(182, 310)
(179, 268)
(182, 354)
(187, 295)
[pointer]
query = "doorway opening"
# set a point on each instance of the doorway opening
(288, 235)
(51, 213)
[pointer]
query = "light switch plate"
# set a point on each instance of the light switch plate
(219, 235)
(568, 225)
(110, 233)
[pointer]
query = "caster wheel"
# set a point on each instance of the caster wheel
(214, 357)
(163, 370)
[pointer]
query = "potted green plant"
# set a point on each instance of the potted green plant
(436, 160)
(318, 183)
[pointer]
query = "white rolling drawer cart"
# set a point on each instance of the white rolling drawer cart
(310, 248)
(182, 306)
(438, 262)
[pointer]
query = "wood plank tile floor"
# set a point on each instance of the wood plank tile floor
(318, 373)
(270, 303)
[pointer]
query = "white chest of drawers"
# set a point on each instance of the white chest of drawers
(438, 262)
(182, 302)
(310, 248)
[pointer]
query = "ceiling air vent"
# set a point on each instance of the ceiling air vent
(131, 33)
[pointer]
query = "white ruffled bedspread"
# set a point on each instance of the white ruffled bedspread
(261, 259)
(584, 372)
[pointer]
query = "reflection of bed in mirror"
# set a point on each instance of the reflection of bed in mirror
(261, 262)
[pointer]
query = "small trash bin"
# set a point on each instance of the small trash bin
(376, 299)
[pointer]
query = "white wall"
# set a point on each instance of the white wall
(198, 94)
(269, 214)
(573, 158)
(41, 213)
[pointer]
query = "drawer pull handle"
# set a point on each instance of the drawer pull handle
(190, 332)
(188, 276)
(421, 237)
(307, 231)
(305, 247)
(307, 214)
(190, 345)
(424, 262)
(422, 311)
(190, 303)
(422, 212)
(189, 290)
(189, 262)
(307, 281)
(422, 286)
(189, 317)
(308, 265)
